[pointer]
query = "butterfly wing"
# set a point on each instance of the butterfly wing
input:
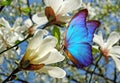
(78, 39)
(76, 28)
(91, 26)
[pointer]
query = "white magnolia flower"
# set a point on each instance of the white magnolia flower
(107, 48)
(14, 33)
(56, 11)
(40, 53)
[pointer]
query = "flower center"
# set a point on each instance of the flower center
(105, 53)
(26, 65)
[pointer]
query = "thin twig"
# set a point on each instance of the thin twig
(115, 75)
(16, 44)
(1, 8)
(94, 69)
(30, 15)
(97, 74)
(11, 76)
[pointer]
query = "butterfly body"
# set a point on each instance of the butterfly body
(79, 38)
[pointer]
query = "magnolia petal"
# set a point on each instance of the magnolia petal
(21, 29)
(69, 6)
(117, 61)
(39, 19)
(115, 50)
(1, 59)
(4, 23)
(54, 4)
(37, 39)
(55, 72)
(17, 22)
(98, 39)
(28, 23)
(113, 38)
(52, 57)
(44, 49)
(49, 41)
(64, 18)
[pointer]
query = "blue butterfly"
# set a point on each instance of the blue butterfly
(78, 39)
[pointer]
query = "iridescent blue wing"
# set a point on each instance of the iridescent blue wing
(91, 26)
(77, 27)
(78, 39)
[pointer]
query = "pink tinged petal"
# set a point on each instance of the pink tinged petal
(39, 19)
(54, 4)
(113, 38)
(52, 57)
(117, 61)
(55, 72)
(69, 6)
(115, 50)
(98, 39)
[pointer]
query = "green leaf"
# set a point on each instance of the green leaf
(16, 42)
(56, 33)
(94, 50)
(26, 10)
(6, 2)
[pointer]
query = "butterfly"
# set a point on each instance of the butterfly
(78, 39)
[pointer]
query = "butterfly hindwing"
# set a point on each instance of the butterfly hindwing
(91, 26)
(82, 53)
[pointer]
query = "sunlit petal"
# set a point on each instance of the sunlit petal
(113, 38)
(52, 57)
(39, 19)
(69, 5)
(55, 4)
(98, 39)
(117, 62)
(115, 50)
(55, 72)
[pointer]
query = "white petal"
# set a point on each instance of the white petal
(1, 59)
(21, 29)
(113, 38)
(115, 50)
(37, 39)
(28, 23)
(17, 22)
(98, 39)
(54, 4)
(117, 62)
(40, 19)
(55, 72)
(44, 49)
(69, 6)
(52, 57)
(64, 18)
(4, 23)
